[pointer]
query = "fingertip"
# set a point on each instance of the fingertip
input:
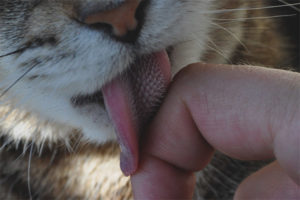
(271, 182)
(158, 179)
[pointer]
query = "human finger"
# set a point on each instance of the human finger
(270, 182)
(245, 112)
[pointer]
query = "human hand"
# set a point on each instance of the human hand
(246, 112)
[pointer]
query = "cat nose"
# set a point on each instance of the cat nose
(124, 20)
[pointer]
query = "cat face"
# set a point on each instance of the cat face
(52, 56)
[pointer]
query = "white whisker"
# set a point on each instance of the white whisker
(232, 34)
(221, 11)
(290, 5)
(219, 52)
(28, 171)
(255, 18)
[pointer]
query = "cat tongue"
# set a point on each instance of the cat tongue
(132, 99)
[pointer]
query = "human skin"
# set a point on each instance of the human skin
(246, 112)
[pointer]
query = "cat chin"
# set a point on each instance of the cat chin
(58, 121)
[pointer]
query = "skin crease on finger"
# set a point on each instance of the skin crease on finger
(247, 113)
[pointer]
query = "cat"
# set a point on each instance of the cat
(56, 56)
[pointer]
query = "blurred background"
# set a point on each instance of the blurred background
(291, 27)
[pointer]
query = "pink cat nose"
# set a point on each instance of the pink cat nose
(121, 19)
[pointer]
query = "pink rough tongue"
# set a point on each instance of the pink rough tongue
(132, 98)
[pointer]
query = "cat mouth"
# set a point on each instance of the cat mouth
(130, 100)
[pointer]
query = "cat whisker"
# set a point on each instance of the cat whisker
(252, 18)
(14, 52)
(19, 142)
(290, 5)
(28, 170)
(222, 11)
(217, 50)
(16, 81)
(232, 34)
